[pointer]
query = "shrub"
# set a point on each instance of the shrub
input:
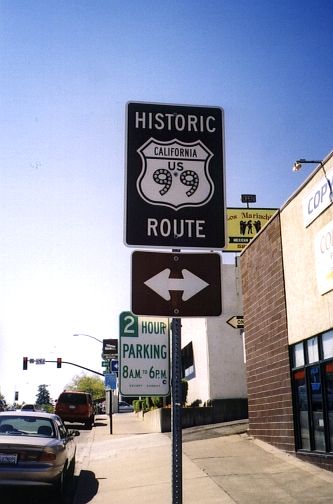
(196, 403)
(136, 405)
(157, 402)
(147, 404)
(48, 408)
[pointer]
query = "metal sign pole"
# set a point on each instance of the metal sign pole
(176, 413)
(110, 409)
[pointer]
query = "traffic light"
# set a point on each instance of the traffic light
(58, 362)
(25, 363)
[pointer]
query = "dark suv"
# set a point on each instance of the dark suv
(75, 406)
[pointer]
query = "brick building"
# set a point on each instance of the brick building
(287, 284)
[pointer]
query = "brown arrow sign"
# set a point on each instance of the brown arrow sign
(176, 284)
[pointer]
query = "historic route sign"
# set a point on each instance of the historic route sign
(174, 176)
(144, 356)
(176, 284)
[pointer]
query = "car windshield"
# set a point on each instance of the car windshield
(26, 426)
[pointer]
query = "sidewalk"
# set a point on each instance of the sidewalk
(133, 465)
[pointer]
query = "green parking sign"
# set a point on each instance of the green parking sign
(128, 324)
(144, 356)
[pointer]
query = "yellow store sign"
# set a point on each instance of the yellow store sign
(243, 224)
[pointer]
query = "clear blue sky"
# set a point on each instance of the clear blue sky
(67, 70)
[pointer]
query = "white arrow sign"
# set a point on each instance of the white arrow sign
(162, 284)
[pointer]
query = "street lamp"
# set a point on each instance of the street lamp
(88, 336)
(298, 165)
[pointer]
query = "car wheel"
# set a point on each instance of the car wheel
(59, 488)
(64, 486)
(71, 469)
(89, 424)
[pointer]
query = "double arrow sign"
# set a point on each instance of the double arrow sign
(176, 284)
(163, 284)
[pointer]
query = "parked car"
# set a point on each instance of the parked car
(75, 406)
(124, 407)
(36, 449)
(28, 407)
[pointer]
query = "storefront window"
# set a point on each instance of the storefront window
(313, 393)
(298, 355)
(317, 409)
(328, 344)
(313, 354)
(329, 398)
(302, 408)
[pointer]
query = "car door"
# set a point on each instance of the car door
(68, 441)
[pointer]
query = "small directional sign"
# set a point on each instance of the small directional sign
(114, 366)
(176, 284)
(110, 381)
(237, 322)
(39, 361)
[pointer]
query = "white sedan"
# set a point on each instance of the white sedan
(35, 449)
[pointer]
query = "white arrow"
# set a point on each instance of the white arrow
(162, 284)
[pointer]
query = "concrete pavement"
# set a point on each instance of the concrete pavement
(221, 464)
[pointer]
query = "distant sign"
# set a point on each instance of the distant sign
(40, 361)
(248, 198)
(115, 366)
(174, 176)
(237, 322)
(110, 381)
(243, 224)
(144, 356)
(110, 348)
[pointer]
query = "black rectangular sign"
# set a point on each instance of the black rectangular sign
(248, 198)
(110, 348)
(176, 284)
(174, 176)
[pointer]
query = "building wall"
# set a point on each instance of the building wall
(309, 311)
(217, 347)
(195, 330)
(266, 339)
(225, 344)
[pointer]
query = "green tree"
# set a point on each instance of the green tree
(43, 396)
(84, 383)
